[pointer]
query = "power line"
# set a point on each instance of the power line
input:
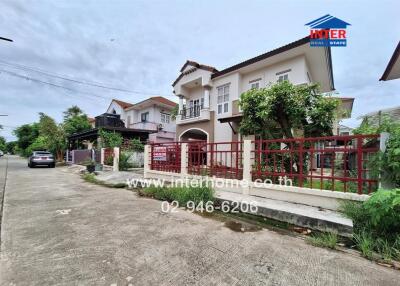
(6, 39)
(63, 77)
(51, 84)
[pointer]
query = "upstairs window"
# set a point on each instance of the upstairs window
(255, 83)
(144, 117)
(223, 99)
(283, 75)
(165, 118)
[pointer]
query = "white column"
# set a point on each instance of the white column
(184, 159)
(146, 163)
(246, 165)
(180, 103)
(116, 159)
(102, 156)
(206, 98)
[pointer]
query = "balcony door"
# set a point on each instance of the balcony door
(194, 106)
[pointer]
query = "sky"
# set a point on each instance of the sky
(139, 46)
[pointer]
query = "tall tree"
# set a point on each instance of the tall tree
(282, 109)
(26, 134)
(3, 144)
(52, 135)
(75, 121)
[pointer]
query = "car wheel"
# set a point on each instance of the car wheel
(31, 165)
(52, 165)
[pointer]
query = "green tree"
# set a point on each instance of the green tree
(174, 112)
(110, 139)
(282, 109)
(75, 121)
(387, 163)
(10, 147)
(26, 134)
(53, 135)
(3, 144)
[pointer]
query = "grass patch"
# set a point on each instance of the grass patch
(365, 244)
(180, 194)
(327, 240)
(91, 178)
(351, 187)
(376, 225)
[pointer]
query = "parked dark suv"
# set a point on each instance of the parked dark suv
(41, 158)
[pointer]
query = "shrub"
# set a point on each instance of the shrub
(124, 163)
(136, 146)
(180, 194)
(376, 223)
(328, 240)
(110, 139)
(109, 160)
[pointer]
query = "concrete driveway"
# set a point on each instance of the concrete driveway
(59, 230)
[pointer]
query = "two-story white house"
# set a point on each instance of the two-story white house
(208, 98)
(152, 114)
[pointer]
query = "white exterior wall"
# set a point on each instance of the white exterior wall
(118, 109)
(239, 83)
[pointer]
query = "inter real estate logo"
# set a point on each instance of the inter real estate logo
(328, 31)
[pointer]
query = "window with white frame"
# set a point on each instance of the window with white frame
(165, 118)
(283, 75)
(255, 83)
(223, 99)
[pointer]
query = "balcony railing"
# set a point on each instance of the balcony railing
(191, 112)
(145, 125)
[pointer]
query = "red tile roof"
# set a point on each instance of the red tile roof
(123, 104)
(164, 100)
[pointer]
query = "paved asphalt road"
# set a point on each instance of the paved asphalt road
(59, 230)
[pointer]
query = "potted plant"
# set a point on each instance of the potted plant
(90, 165)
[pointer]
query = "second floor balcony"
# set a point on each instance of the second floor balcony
(145, 125)
(192, 114)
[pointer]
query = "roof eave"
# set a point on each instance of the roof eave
(391, 63)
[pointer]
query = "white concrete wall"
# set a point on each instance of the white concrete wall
(118, 109)
(239, 83)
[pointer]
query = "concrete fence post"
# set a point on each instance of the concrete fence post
(386, 184)
(246, 165)
(102, 156)
(184, 159)
(73, 156)
(116, 159)
(146, 161)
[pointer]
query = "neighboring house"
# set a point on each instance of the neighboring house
(92, 122)
(392, 70)
(149, 120)
(208, 98)
(344, 130)
(152, 114)
(376, 118)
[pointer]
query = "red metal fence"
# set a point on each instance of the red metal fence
(341, 163)
(165, 157)
(222, 159)
(108, 156)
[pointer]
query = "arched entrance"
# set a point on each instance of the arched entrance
(194, 134)
(197, 147)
